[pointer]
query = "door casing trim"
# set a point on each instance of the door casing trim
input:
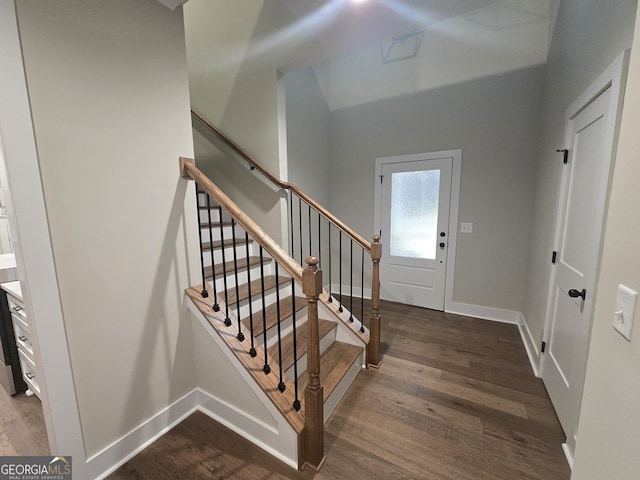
(454, 203)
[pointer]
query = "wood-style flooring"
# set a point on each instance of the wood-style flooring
(22, 429)
(454, 398)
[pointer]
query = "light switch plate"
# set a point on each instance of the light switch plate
(466, 228)
(624, 311)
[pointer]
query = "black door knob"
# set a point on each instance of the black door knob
(442, 234)
(441, 244)
(573, 293)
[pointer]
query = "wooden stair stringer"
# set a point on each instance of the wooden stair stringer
(267, 383)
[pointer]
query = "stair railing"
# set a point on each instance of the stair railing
(315, 231)
(310, 278)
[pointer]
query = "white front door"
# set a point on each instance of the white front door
(583, 196)
(415, 198)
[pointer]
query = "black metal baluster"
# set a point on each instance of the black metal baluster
(291, 248)
(319, 242)
(351, 276)
(362, 294)
(204, 292)
(300, 220)
(340, 269)
(227, 320)
(330, 297)
(216, 307)
(309, 231)
(266, 368)
(240, 335)
(296, 402)
(281, 385)
(252, 351)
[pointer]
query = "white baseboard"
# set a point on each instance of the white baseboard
(119, 452)
(257, 432)
(111, 458)
(486, 313)
(533, 350)
(505, 316)
(568, 454)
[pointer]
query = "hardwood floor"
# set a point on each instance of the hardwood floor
(454, 398)
(22, 430)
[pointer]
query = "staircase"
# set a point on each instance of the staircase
(267, 303)
(294, 343)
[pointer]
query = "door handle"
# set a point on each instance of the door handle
(573, 293)
(442, 245)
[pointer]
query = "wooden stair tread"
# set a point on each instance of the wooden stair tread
(217, 244)
(214, 225)
(324, 327)
(286, 309)
(256, 287)
(229, 266)
(335, 362)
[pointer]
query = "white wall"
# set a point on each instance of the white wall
(608, 437)
(494, 120)
(234, 51)
(110, 104)
(589, 35)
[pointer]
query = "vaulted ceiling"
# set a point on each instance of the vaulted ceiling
(342, 25)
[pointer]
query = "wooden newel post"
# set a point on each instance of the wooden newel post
(313, 395)
(373, 348)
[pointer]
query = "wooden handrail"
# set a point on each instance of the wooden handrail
(255, 164)
(189, 170)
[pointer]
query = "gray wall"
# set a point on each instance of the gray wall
(235, 51)
(494, 120)
(589, 35)
(110, 104)
(308, 135)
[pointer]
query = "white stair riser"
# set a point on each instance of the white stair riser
(256, 303)
(204, 215)
(242, 276)
(286, 324)
(301, 318)
(325, 342)
(241, 253)
(215, 232)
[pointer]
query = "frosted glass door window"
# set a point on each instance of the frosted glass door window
(414, 214)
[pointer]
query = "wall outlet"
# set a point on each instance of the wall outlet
(466, 228)
(624, 311)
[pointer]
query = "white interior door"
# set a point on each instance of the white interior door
(583, 195)
(415, 198)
